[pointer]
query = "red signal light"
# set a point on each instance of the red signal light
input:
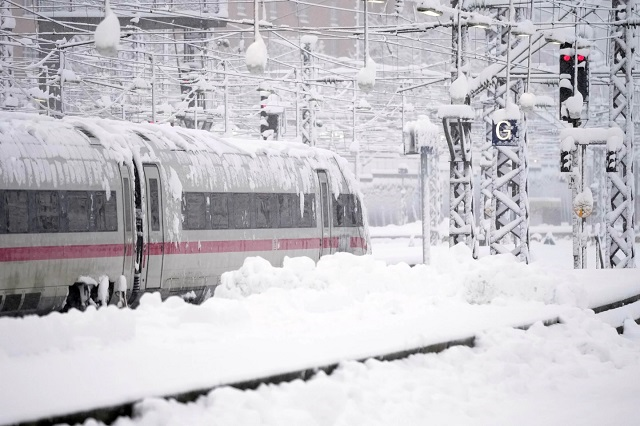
(580, 58)
(566, 58)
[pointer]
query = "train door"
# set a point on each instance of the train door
(128, 221)
(325, 209)
(154, 251)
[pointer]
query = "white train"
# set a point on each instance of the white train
(84, 201)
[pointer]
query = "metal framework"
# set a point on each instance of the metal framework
(577, 184)
(435, 194)
(620, 208)
(7, 23)
(486, 149)
(598, 188)
(510, 203)
(462, 227)
(457, 130)
(307, 126)
(509, 186)
(425, 186)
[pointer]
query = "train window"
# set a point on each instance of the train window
(324, 195)
(194, 210)
(47, 211)
(266, 210)
(289, 209)
(154, 204)
(105, 211)
(340, 210)
(12, 302)
(127, 204)
(142, 136)
(357, 211)
(3, 219)
(93, 140)
(78, 210)
(347, 211)
(16, 212)
(219, 211)
(308, 219)
(241, 211)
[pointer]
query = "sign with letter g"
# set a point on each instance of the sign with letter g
(505, 133)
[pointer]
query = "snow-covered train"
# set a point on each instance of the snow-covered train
(91, 208)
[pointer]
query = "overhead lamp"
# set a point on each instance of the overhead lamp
(523, 29)
(476, 20)
(557, 36)
(430, 8)
(551, 39)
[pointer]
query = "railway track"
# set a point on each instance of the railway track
(109, 414)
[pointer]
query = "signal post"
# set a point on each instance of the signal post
(574, 96)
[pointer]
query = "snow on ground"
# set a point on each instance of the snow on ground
(578, 373)
(266, 320)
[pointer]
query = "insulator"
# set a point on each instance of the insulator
(399, 7)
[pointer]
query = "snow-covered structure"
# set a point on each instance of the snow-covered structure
(620, 218)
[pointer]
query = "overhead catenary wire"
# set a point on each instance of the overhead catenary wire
(284, 52)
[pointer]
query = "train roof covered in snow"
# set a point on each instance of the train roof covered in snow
(41, 151)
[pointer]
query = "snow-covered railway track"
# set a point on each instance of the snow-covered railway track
(109, 414)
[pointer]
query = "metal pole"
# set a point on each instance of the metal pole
(295, 77)
(402, 111)
(426, 211)
(153, 88)
(575, 55)
(579, 258)
(459, 47)
(353, 130)
(507, 89)
(583, 220)
(61, 66)
(355, 98)
(256, 25)
(227, 128)
(528, 87)
(366, 34)
(357, 164)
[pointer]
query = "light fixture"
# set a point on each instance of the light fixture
(476, 20)
(551, 39)
(555, 36)
(374, 1)
(430, 8)
(523, 29)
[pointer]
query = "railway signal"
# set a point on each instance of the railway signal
(565, 161)
(265, 91)
(583, 76)
(574, 73)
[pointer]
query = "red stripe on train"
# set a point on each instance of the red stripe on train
(235, 246)
(358, 242)
(17, 254)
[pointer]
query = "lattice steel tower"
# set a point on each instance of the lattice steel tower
(620, 208)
